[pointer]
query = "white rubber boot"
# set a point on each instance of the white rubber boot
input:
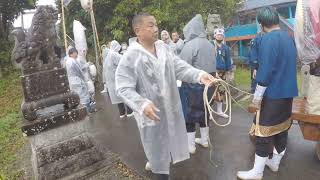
(191, 142)
(203, 141)
(219, 110)
(257, 172)
(274, 163)
(148, 167)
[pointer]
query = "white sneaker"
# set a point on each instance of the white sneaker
(203, 141)
(191, 142)
(256, 173)
(122, 116)
(274, 163)
(148, 166)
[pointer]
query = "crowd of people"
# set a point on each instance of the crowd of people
(161, 83)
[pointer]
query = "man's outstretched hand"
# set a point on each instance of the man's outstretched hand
(208, 79)
(151, 112)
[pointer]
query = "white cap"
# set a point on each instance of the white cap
(218, 31)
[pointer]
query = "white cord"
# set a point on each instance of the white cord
(208, 108)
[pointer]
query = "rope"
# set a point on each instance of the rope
(209, 110)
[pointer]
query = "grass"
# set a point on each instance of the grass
(11, 139)
(243, 80)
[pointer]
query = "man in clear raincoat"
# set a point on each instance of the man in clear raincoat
(165, 37)
(177, 41)
(110, 66)
(146, 81)
(77, 80)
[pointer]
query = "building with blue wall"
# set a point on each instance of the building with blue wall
(244, 26)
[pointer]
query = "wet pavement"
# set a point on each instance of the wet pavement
(232, 149)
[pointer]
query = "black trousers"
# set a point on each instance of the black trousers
(265, 144)
(191, 126)
(123, 109)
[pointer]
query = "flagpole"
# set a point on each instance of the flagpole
(64, 27)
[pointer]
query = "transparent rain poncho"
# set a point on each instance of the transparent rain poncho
(77, 80)
(307, 30)
(142, 78)
(110, 66)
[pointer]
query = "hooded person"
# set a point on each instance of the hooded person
(277, 85)
(77, 80)
(105, 52)
(165, 37)
(113, 59)
(224, 65)
(198, 52)
(146, 81)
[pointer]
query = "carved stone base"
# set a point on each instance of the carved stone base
(66, 152)
(52, 117)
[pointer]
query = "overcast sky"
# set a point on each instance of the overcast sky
(27, 18)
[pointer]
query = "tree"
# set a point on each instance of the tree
(9, 10)
(113, 17)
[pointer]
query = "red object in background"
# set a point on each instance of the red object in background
(315, 19)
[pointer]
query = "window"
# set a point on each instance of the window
(284, 12)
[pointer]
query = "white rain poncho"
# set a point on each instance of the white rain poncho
(105, 53)
(86, 72)
(170, 43)
(77, 81)
(140, 78)
(196, 50)
(307, 30)
(111, 64)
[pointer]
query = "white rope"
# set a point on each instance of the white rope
(209, 110)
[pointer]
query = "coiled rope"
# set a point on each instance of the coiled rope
(228, 108)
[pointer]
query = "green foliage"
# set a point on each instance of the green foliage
(113, 17)
(9, 10)
(11, 139)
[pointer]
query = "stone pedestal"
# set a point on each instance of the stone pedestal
(66, 152)
(53, 119)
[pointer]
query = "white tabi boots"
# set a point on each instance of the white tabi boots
(257, 172)
(274, 163)
(191, 142)
(203, 141)
(219, 110)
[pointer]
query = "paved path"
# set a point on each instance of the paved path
(232, 149)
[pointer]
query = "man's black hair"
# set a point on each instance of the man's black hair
(72, 50)
(268, 17)
(137, 19)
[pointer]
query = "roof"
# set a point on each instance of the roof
(255, 4)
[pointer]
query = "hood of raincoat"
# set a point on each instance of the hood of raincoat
(115, 46)
(194, 28)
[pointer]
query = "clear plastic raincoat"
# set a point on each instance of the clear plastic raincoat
(142, 78)
(77, 80)
(307, 30)
(111, 64)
